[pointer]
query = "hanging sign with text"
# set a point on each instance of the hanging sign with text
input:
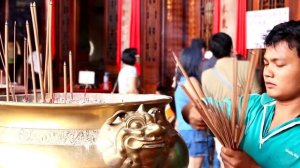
(260, 22)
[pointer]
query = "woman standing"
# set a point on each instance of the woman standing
(197, 140)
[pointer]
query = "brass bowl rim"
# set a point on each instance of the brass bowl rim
(153, 99)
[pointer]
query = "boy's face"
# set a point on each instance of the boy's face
(282, 72)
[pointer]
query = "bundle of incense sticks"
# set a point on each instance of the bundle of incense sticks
(44, 79)
(4, 62)
(37, 43)
(229, 129)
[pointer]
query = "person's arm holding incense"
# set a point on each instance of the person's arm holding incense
(189, 112)
(237, 158)
(192, 116)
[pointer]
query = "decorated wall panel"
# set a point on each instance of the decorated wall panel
(228, 16)
(192, 21)
(270, 4)
(2, 15)
(293, 5)
(172, 38)
(151, 45)
(64, 35)
(294, 9)
(206, 27)
(111, 35)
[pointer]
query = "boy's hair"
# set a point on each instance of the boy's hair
(288, 32)
(220, 45)
(128, 56)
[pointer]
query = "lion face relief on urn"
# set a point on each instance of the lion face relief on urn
(141, 139)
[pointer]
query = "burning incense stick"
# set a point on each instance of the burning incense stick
(71, 73)
(31, 60)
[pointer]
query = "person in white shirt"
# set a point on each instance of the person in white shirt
(35, 68)
(127, 79)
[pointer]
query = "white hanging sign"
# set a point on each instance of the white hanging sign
(260, 22)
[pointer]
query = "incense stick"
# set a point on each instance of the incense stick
(5, 64)
(25, 68)
(71, 73)
(2, 47)
(248, 85)
(115, 86)
(50, 52)
(35, 17)
(65, 80)
(27, 65)
(31, 60)
(14, 81)
(204, 114)
(1, 74)
(1, 56)
(187, 78)
(251, 73)
(227, 129)
(189, 81)
(6, 59)
(46, 73)
(36, 40)
(234, 99)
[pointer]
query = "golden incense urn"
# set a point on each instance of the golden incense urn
(90, 130)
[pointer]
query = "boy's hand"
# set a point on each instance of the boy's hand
(235, 158)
